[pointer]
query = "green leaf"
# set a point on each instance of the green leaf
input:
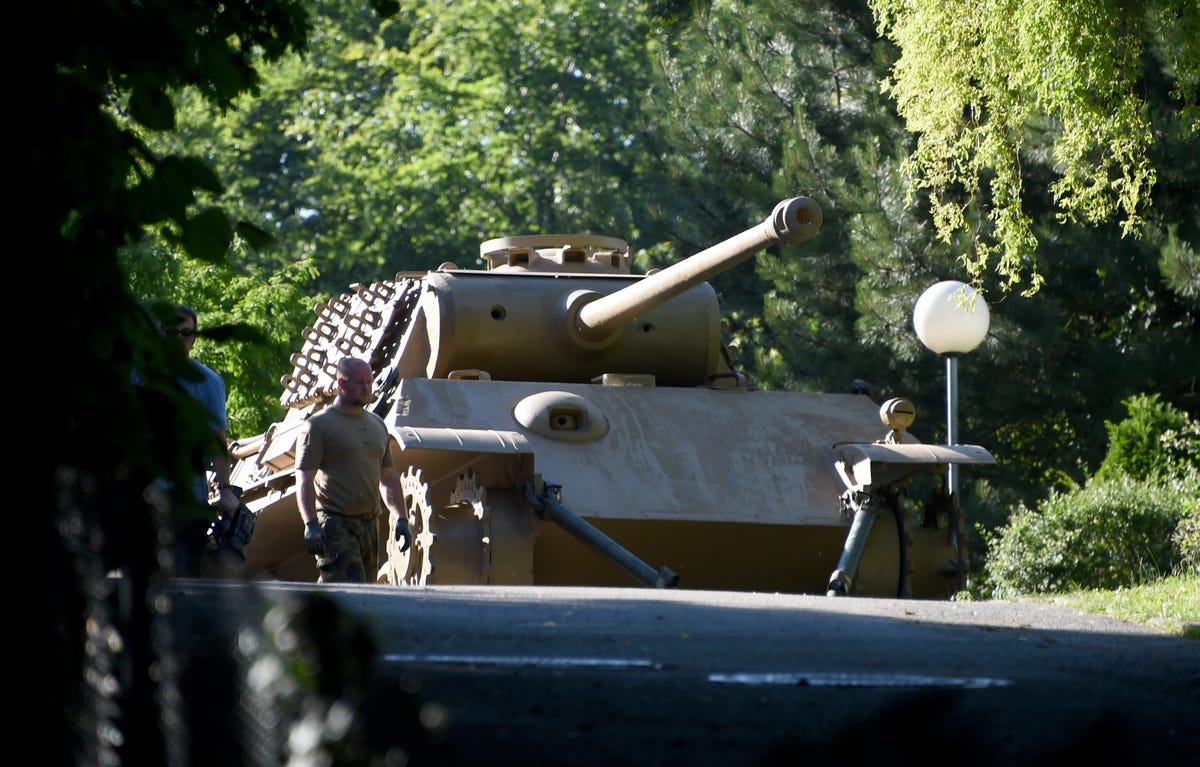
(235, 331)
(201, 175)
(385, 8)
(151, 107)
(172, 187)
(255, 236)
(207, 235)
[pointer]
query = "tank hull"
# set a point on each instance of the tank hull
(728, 488)
(647, 452)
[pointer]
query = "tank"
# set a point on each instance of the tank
(559, 420)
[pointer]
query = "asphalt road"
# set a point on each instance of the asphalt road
(564, 676)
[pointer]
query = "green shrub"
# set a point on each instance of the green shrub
(1110, 533)
(1181, 447)
(1137, 520)
(1187, 539)
(1155, 439)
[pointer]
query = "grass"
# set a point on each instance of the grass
(1171, 604)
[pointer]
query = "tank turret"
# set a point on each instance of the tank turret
(562, 421)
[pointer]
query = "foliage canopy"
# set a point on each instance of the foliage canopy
(976, 82)
(93, 88)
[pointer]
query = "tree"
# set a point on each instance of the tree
(249, 319)
(758, 102)
(988, 88)
(91, 186)
(403, 142)
(1037, 126)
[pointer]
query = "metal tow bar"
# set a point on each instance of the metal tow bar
(548, 506)
(866, 507)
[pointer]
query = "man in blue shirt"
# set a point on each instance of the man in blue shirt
(209, 390)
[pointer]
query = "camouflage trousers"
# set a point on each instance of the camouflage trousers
(351, 549)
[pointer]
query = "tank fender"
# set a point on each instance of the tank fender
(868, 466)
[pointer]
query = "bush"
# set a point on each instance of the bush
(1137, 520)
(1155, 439)
(1113, 532)
(1187, 540)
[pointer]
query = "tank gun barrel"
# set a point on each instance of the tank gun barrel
(794, 220)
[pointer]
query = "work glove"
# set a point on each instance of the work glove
(402, 532)
(314, 538)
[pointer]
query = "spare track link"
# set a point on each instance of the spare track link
(367, 322)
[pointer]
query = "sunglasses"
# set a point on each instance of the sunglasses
(186, 332)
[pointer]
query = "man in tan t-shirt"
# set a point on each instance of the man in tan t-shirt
(343, 467)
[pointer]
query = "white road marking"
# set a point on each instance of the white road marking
(528, 661)
(827, 679)
(796, 679)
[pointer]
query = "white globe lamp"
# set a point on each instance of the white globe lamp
(951, 318)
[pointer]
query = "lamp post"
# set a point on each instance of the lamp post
(951, 319)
